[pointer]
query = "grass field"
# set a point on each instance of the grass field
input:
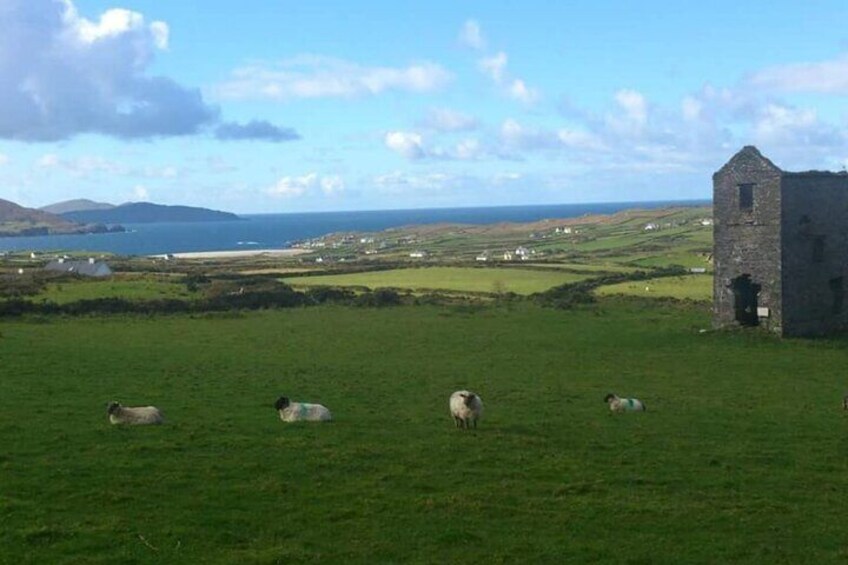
(131, 288)
(689, 287)
(459, 279)
(740, 458)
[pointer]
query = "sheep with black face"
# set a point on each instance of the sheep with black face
(466, 408)
(301, 411)
(134, 415)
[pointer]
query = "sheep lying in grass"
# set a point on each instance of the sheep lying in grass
(301, 411)
(134, 415)
(466, 408)
(617, 404)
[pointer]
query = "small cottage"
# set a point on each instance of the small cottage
(89, 268)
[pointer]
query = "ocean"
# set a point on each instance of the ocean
(278, 231)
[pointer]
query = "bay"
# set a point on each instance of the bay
(279, 231)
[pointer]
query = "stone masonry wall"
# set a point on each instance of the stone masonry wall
(747, 241)
(815, 252)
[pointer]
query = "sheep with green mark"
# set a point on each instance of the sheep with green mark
(301, 411)
(617, 404)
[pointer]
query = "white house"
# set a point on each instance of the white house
(523, 253)
(483, 256)
(89, 268)
(418, 254)
(651, 227)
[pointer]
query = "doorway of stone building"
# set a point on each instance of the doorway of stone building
(745, 295)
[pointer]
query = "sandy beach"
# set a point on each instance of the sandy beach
(233, 254)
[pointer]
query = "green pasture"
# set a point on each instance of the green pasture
(130, 288)
(459, 279)
(741, 457)
(689, 287)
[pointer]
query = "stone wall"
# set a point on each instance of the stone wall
(815, 252)
(747, 240)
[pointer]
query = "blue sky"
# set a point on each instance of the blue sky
(260, 106)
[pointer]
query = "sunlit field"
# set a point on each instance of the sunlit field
(689, 287)
(739, 458)
(460, 279)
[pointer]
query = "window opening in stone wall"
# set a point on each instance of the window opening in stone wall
(745, 294)
(746, 196)
(818, 249)
(836, 287)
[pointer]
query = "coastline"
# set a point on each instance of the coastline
(232, 254)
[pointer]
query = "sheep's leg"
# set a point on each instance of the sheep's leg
(457, 422)
(475, 423)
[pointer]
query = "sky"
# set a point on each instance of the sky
(273, 106)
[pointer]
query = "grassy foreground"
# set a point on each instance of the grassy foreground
(740, 458)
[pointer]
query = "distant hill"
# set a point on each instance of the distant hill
(78, 205)
(145, 212)
(16, 220)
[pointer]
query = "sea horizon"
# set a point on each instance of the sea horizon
(281, 230)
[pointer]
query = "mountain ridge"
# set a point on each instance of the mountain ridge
(75, 205)
(148, 212)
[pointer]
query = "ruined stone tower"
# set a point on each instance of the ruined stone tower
(780, 247)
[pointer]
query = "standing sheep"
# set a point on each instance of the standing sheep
(466, 408)
(136, 416)
(617, 404)
(301, 411)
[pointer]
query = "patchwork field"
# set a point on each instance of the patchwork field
(459, 279)
(131, 288)
(689, 287)
(740, 458)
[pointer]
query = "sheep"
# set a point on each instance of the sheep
(466, 408)
(136, 415)
(301, 411)
(617, 404)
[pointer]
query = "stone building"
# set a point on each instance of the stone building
(780, 247)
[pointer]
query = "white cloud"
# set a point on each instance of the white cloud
(778, 124)
(824, 77)
(407, 144)
(140, 193)
(446, 120)
(691, 108)
(166, 172)
(63, 75)
(292, 187)
(521, 92)
(468, 149)
(631, 115)
(84, 166)
(48, 161)
(295, 187)
(494, 67)
(332, 185)
(517, 136)
(516, 88)
(398, 182)
(506, 178)
(310, 76)
(4, 159)
(472, 36)
(113, 23)
(579, 139)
